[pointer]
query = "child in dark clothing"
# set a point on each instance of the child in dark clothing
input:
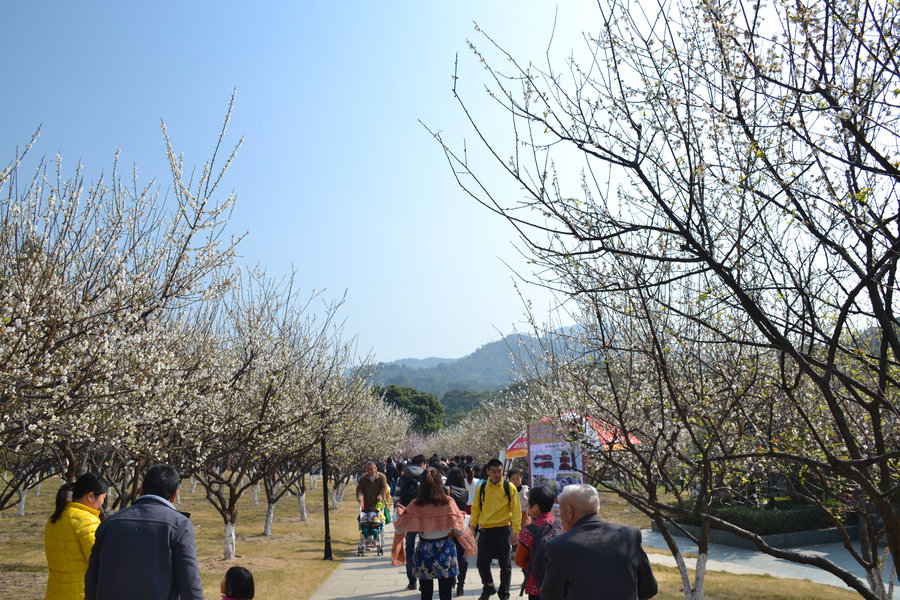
(237, 584)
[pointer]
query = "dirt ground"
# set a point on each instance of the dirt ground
(25, 586)
(255, 564)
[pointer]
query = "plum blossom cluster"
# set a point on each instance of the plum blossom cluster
(729, 248)
(128, 336)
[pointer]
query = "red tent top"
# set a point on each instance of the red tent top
(519, 447)
(607, 435)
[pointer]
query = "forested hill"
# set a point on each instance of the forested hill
(488, 368)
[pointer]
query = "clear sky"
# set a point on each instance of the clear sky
(337, 179)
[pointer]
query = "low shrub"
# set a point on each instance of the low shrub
(786, 517)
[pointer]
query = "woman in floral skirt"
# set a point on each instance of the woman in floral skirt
(437, 520)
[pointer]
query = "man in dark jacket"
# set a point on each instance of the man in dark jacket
(392, 473)
(594, 558)
(146, 551)
(409, 489)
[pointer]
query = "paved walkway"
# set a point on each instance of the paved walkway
(372, 576)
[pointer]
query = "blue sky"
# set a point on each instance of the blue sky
(336, 179)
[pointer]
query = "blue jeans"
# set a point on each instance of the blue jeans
(410, 553)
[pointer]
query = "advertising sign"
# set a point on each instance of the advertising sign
(555, 463)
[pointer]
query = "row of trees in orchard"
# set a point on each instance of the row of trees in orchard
(128, 336)
(730, 253)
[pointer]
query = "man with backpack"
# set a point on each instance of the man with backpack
(531, 554)
(496, 511)
(407, 491)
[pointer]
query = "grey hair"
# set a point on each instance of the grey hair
(582, 497)
(370, 462)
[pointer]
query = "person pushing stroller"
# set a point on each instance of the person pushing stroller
(372, 488)
(372, 491)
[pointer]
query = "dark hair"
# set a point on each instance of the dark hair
(543, 497)
(431, 489)
(418, 459)
(87, 483)
(455, 477)
(239, 583)
(512, 472)
(494, 462)
(162, 481)
(469, 469)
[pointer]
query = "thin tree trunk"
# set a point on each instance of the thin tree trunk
(270, 516)
(873, 575)
(22, 493)
(37, 488)
(337, 495)
(229, 541)
(256, 494)
(193, 484)
(302, 499)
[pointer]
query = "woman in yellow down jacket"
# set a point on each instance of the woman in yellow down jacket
(69, 535)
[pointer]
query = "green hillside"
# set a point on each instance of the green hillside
(489, 368)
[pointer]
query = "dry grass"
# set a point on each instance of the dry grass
(727, 586)
(286, 565)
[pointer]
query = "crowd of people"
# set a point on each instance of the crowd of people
(444, 512)
(449, 510)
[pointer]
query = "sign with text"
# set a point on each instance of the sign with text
(553, 461)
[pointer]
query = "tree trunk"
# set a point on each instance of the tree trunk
(37, 488)
(337, 495)
(302, 498)
(22, 493)
(193, 484)
(229, 540)
(270, 516)
(874, 576)
(256, 494)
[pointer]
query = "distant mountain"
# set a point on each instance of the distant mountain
(489, 368)
(421, 363)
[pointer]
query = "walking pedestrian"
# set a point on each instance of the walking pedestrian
(436, 518)
(497, 512)
(69, 535)
(458, 493)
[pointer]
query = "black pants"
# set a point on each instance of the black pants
(462, 561)
(445, 588)
(493, 543)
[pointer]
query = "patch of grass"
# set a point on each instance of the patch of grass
(729, 586)
(616, 510)
(13, 568)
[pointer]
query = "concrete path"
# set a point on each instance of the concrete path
(371, 576)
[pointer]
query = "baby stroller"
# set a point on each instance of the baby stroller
(371, 531)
